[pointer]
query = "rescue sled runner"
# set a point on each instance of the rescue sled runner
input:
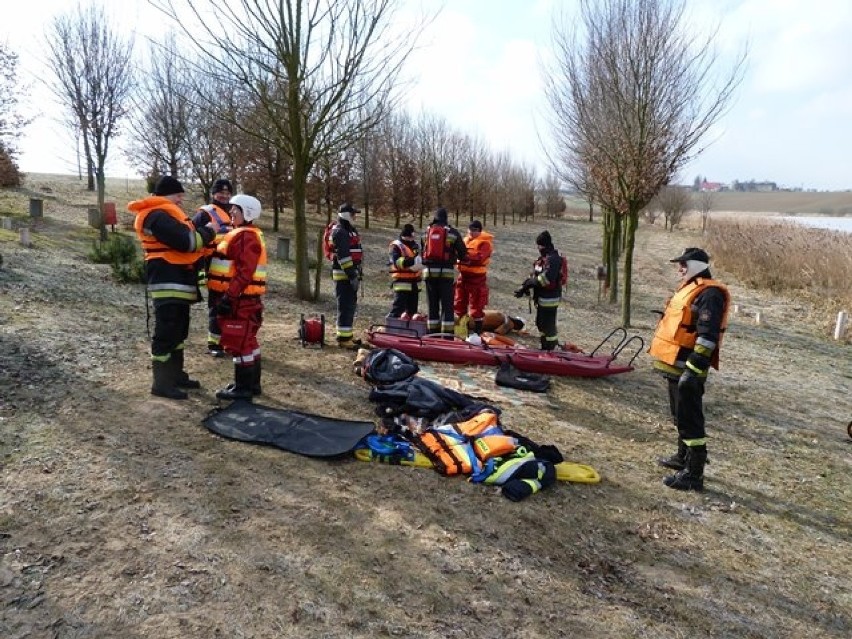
(448, 348)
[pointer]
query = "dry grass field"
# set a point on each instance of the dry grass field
(122, 516)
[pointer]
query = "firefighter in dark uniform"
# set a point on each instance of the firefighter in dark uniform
(346, 273)
(685, 346)
(405, 268)
(172, 246)
(442, 247)
(216, 213)
(544, 282)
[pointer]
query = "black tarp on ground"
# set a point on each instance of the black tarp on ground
(290, 430)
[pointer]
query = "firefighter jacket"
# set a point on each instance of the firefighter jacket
(401, 257)
(238, 267)
(348, 253)
(171, 246)
(479, 251)
(440, 262)
(221, 220)
(547, 270)
(689, 333)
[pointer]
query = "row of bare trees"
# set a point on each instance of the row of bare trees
(298, 101)
(12, 120)
(632, 91)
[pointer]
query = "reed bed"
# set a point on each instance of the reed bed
(785, 257)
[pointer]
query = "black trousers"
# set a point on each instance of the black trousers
(405, 302)
(171, 328)
(687, 408)
(545, 322)
(347, 301)
(439, 291)
(213, 298)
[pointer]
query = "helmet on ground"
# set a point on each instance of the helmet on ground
(250, 206)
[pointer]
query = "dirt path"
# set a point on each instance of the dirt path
(120, 515)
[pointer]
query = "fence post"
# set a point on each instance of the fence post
(840, 326)
(283, 249)
(36, 207)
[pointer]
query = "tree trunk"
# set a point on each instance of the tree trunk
(101, 183)
(300, 231)
(632, 223)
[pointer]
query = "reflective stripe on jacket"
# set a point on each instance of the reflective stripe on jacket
(676, 333)
(397, 270)
(223, 268)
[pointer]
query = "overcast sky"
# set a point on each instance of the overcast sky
(479, 66)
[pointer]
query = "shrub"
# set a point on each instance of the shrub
(10, 176)
(119, 251)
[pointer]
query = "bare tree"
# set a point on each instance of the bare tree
(551, 196)
(93, 80)
(312, 66)
(632, 93)
(704, 202)
(674, 202)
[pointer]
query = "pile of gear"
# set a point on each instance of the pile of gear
(458, 434)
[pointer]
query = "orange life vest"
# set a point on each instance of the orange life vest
(221, 222)
(464, 447)
(477, 246)
(399, 272)
(222, 268)
(676, 328)
(152, 248)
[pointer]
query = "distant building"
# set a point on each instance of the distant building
(711, 186)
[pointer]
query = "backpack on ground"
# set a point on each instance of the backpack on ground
(508, 375)
(327, 243)
(388, 366)
(435, 247)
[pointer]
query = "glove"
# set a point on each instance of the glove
(520, 292)
(225, 307)
(356, 283)
(418, 264)
(530, 282)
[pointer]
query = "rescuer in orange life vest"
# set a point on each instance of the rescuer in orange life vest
(216, 213)
(405, 267)
(685, 345)
(172, 246)
(238, 273)
(471, 288)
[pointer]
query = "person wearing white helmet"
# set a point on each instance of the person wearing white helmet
(685, 346)
(238, 272)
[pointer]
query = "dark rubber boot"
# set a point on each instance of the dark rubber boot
(241, 388)
(676, 461)
(164, 381)
(256, 388)
(182, 378)
(477, 326)
(691, 477)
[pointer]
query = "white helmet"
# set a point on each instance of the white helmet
(250, 206)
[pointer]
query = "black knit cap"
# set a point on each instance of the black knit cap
(544, 239)
(441, 215)
(476, 225)
(347, 208)
(407, 231)
(222, 184)
(692, 253)
(167, 185)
